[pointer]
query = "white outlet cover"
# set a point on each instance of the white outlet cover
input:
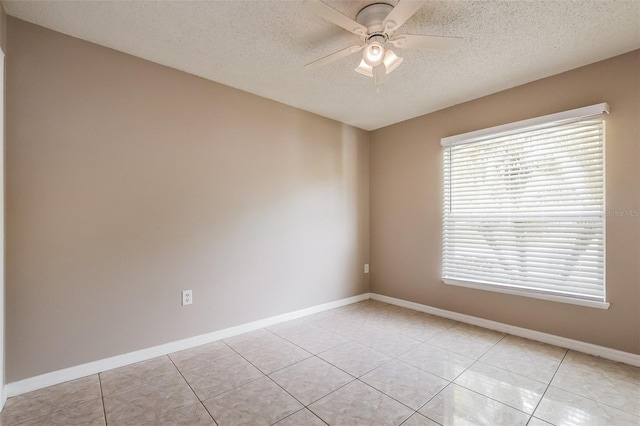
(187, 297)
(366, 268)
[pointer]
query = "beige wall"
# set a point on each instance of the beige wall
(128, 182)
(406, 187)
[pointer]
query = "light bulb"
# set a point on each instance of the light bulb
(373, 54)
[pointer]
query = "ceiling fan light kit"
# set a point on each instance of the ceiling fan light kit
(390, 61)
(375, 24)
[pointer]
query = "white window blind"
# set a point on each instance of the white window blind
(524, 206)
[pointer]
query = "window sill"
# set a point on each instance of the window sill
(550, 297)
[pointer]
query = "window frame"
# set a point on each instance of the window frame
(565, 117)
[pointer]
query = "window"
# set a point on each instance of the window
(524, 208)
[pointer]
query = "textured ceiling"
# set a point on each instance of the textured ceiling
(261, 47)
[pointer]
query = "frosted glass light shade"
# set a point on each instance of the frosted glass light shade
(391, 61)
(373, 54)
(365, 69)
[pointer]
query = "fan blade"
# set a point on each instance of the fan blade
(330, 14)
(335, 56)
(428, 42)
(399, 15)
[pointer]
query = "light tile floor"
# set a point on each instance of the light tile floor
(367, 364)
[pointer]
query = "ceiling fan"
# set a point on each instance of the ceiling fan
(376, 24)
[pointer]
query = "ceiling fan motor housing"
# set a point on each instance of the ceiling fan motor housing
(372, 16)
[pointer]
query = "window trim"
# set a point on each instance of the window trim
(531, 294)
(565, 117)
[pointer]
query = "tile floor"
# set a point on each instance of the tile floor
(368, 364)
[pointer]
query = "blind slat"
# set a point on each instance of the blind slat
(549, 258)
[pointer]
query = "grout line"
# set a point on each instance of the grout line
(333, 391)
(583, 396)
(314, 401)
(31, 420)
(435, 374)
(312, 356)
(389, 396)
(481, 394)
(491, 398)
(290, 394)
(433, 396)
(531, 418)
(478, 359)
(304, 406)
(317, 417)
(104, 408)
(209, 413)
(549, 384)
(396, 358)
(302, 409)
(194, 392)
(281, 368)
(451, 382)
(391, 358)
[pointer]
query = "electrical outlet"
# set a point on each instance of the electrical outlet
(187, 297)
(366, 268)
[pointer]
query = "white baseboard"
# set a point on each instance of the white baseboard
(78, 371)
(3, 397)
(588, 348)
